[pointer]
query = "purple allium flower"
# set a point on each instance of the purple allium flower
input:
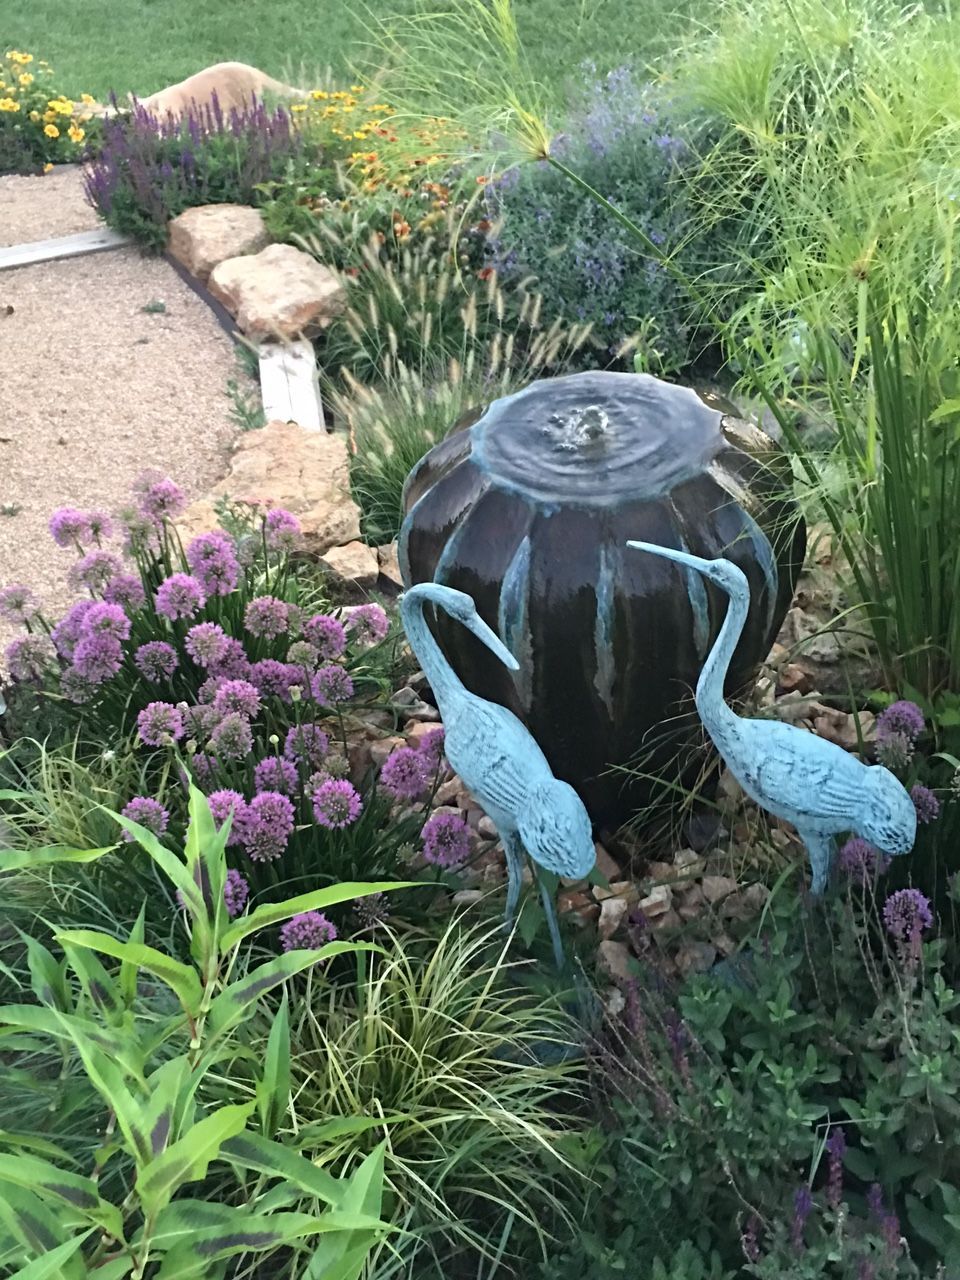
(148, 813)
(100, 526)
(210, 688)
(159, 723)
(274, 678)
(895, 751)
(98, 656)
(860, 860)
(213, 560)
(906, 914)
(266, 616)
(430, 748)
(76, 687)
(198, 720)
(232, 739)
(336, 803)
(206, 643)
(180, 596)
(836, 1149)
(156, 660)
(307, 932)
(926, 803)
(107, 619)
(368, 624)
(404, 774)
(125, 589)
(303, 656)
(802, 1207)
(18, 604)
(158, 497)
(142, 536)
(29, 657)
(69, 527)
(205, 768)
(222, 805)
(306, 744)
(238, 696)
(236, 892)
(327, 635)
(446, 840)
(94, 570)
(371, 910)
(901, 717)
(275, 774)
(268, 826)
(281, 530)
(234, 665)
(331, 684)
(70, 628)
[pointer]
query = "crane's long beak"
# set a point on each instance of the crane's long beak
(681, 557)
(492, 641)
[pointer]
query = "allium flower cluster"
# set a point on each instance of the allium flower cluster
(898, 728)
(94, 570)
(158, 497)
(275, 679)
(304, 657)
(906, 914)
(204, 768)
(206, 643)
(125, 589)
(213, 561)
(148, 813)
(234, 665)
(97, 656)
(861, 861)
(307, 931)
(430, 747)
(18, 604)
(268, 825)
(70, 527)
(926, 803)
(404, 774)
(306, 744)
(107, 619)
(266, 617)
(30, 656)
(180, 596)
(274, 773)
(100, 526)
(160, 723)
(281, 530)
(336, 803)
(446, 840)
(368, 624)
(327, 635)
(70, 628)
(156, 660)
(236, 892)
(225, 803)
(331, 684)
(237, 696)
(232, 739)
(199, 719)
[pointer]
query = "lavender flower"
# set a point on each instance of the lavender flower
(836, 1149)
(274, 679)
(875, 1205)
(327, 635)
(107, 619)
(236, 891)
(69, 527)
(125, 589)
(403, 774)
(861, 861)
(206, 643)
(266, 617)
(275, 774)
(307, 932)
(232, 739)
(802, 1207)
(901, 717)
(268, 826)
(331, 684)
(368, 624)
(159, 723)
(282, 530)
(906, 914)
(237, 696)
(213, 561)
(890, 1231)
(70, 628)
(446, 840)
(29, 657)
(234, 665)
(97, 656)
(180, 596)
(148, 813)
(225, 803)
(18, 604)
(306, 744)
(926, 803)
(94, 570)
(156, 660)
(336, 804)
(159, 498)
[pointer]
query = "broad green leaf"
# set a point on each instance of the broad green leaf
(273, 1082)
(273, 912)
(180, 978)
(170, 1106)
(363, 1195)
(109, 1082)
(172, 867)
(350, 1264)
(50, 1266)
(33, 1226)
(115, 1269)
(47, 1180)
(232, 1003)
(129, 971)
(40, 1146)
(203, 1227)
(27, 859)
(65, 1026)
(205, 855)
(98, 985)
(46, 974)
(188, 1159)
(251, 1151)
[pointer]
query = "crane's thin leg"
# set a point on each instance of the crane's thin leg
(550, 911)
(820, 849)
(513, 850)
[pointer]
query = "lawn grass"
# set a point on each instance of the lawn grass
(140, 46)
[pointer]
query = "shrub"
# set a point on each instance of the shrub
(38, 128)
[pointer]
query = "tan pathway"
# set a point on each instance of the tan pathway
(93, 388)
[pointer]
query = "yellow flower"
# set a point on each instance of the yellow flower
(8, 104)
(26, 57)
(76, 134)
(51, 131)
(87, 99)
(319, 95)
(47, 167)
(299, 106)
(35, 117)
(26, 79)
(49, 117)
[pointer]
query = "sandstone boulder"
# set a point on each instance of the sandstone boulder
(204, 237)
(354, 564)
(280, 292)
(282, 465)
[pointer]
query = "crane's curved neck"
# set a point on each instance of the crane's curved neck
(444, 681)
(714, 712)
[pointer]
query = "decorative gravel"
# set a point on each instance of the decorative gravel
(40, 208)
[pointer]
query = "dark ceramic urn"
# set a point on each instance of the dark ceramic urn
(527, 505)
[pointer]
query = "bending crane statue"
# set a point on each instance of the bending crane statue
(499, 760)
(816, 785)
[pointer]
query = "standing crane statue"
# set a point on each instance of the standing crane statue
(499, 760)
(820, 788)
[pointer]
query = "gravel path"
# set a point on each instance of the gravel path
(39, 208)
(94, 388)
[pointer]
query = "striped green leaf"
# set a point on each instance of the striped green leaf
(188, 1159)
(232, 1003)
(180, 978)
(273, 912)
(52, 1183)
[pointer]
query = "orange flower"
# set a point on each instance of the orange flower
(482, 180)
(485, 273)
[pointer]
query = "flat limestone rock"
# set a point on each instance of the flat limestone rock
(283, 465)
(280, 292)
(204, 237)
(354, 563)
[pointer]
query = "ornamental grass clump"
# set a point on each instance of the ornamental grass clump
(38, 127)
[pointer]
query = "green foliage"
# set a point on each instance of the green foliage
(165, 1129)
(38, 127)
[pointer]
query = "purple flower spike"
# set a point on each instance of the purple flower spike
(180, 596)
(446, 840)
(906, 914)
(336, 804)
(236, 892)
(926, 803)
(836, 1149)
(148, 813)
(404, 774)
(802, 1208)
(307, 932)
(160, 723)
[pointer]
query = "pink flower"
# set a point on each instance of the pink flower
(307, 932)
(336, 804)
(180, 596)
(159, 723)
